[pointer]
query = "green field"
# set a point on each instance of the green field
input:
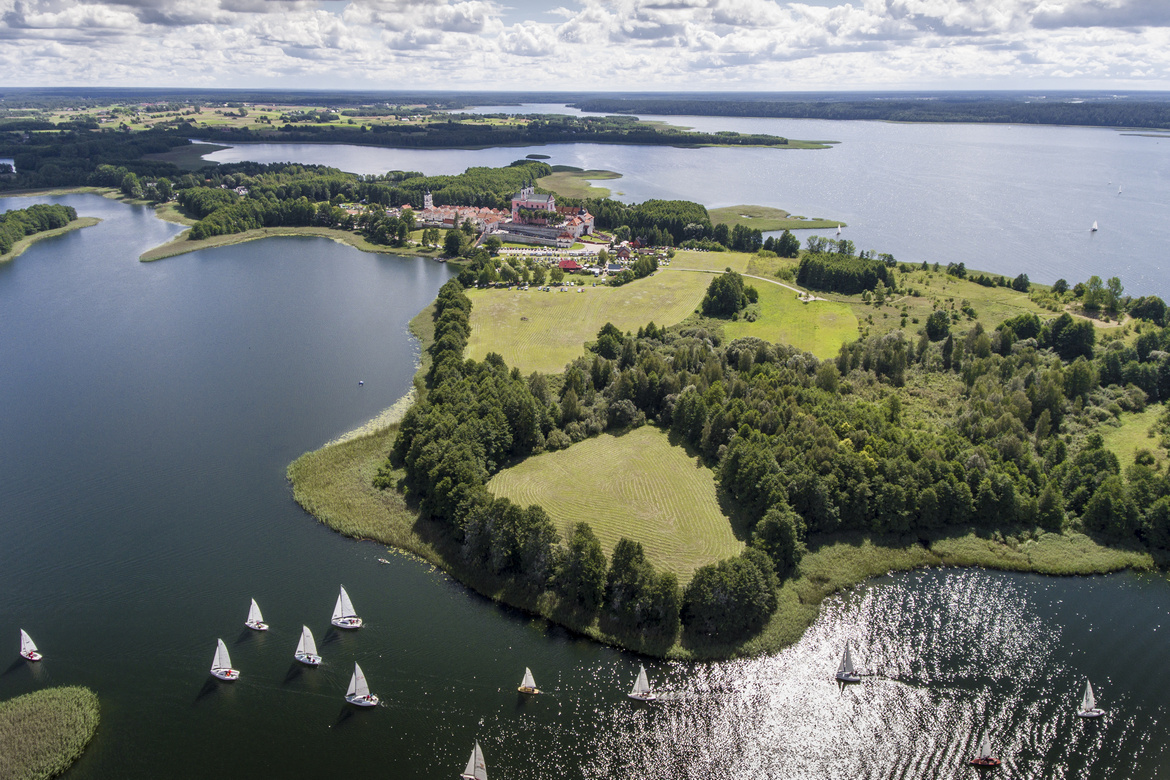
(636, 485)
(819, 327)
(43, 732)
(571, 182)
(766, 218)
(542, 331)
(1133, 434)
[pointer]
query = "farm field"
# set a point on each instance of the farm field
(820, 327)
(542, 331)
(635, 485)
(569, 182)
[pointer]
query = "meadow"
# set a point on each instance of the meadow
(43, 732)
(1132, 433)
(819, 327)
(570, 182)
(637, 485)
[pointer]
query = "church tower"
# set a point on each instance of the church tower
(428, 201)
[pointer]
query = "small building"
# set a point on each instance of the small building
(570, 266)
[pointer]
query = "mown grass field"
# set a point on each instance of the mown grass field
(1133, 434)
(44, 732)
(819, 327)
(576, 183)
(637, 485)
(766, 218)
(20, 246)
(542, 331)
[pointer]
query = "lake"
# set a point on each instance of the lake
(1002, 198)
(150, 412)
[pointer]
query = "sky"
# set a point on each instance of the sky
(591, 45)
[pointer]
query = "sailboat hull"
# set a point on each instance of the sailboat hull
(642, 696)
(347, 622)
(31, 655)
(308, 659)
(227, 675)
(985, 763)
(362, 701)
(848, 677)
(1093, 713)
(256, 625)
(528, 689)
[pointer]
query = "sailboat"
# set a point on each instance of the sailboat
(845, 671)
(1089, 707)
(641, 690)
(255, 620)
(528, 684)
(359, 691)
(343, 614)
(838, 229)
(221, 665)
(985, 759)
(476, 769)
(307, 649)
(1094, 228)
(28, 650)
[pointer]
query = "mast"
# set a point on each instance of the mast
(26, 644)
(475, 769)
(1088, 702)
(357, 684)
(344, 607)
(528, 681)
(307, 645)
(254, 613)
(222, 660)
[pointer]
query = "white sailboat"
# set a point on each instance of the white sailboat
(845, 671)
(28, 649)
(528, 684)
(1094, 228)
(221, 664)
(476, 769)
(307, 649)
(642, 691)
(343, 612)
(255, 620)
(838, 229)
(985, 759)
(359, 691)
(1089, 707)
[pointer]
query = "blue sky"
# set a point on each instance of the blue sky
(521, 45)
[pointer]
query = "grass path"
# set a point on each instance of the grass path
(635, 485)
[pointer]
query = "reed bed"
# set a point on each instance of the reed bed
(44, 732)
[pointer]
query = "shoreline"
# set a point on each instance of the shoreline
(23, 244)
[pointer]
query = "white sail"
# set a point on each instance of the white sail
(642, 684)
(358, 687)
(838, 230)
(1088, 702)
(846, 666)
(222, 660)
(307, 645)
(528, 682)
(476, 769)
(27, 646)
(254, 615)
(1094, 226)
(344, 607)
(985, 747)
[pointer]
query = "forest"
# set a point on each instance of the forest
(804, 447)
(1113, 113)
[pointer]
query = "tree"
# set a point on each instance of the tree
(493, 244)
(787, 245)
(731, 598)
(1060, 287)
(583, 576)
(725, 295)
(556, 275)
(1021, 283)
(164, 191)
(780, 535)
(1113, 293)
(1094, 294)
(453, 243)
(938, 325)
(131, 186)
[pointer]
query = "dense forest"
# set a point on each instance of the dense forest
(1114, 113)
(16, 224)
(803, 446)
